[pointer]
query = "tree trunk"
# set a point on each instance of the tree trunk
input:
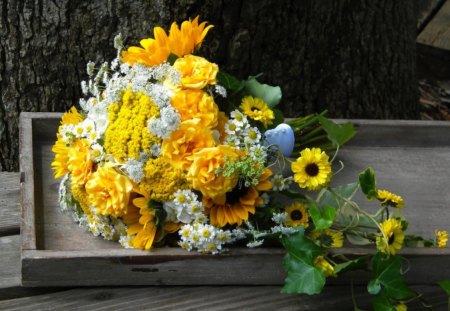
(355, 58)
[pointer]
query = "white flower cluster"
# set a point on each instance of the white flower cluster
(239, 132)
(204, 237)
(279, 183)
(185, 208)
(280, 228)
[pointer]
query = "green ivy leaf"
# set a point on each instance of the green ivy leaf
(228, 81)
(382, 303)
(373, 287)
(270, 94)
(445, 285)
(322, 218)
(337, 134)
(368, 183)
(358, 263)
(387, 272)
(302, 276)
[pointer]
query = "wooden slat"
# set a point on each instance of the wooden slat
(208, 298)
(427, 10)
(437, 31)
(9, 203)
(9, 261)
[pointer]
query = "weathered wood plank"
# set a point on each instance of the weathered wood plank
(437, 31)
(9, 261)
(427, 9)
(208, 298)
(9, 203)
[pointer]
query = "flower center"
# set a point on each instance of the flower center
(391, 239)
(296, 215)
(312, 169)
(234, 195)
(326, 240)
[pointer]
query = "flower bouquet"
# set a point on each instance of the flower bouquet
(168, 150)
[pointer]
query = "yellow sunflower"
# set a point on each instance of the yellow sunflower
(328, 238)
(186, 39)
(257, 109)
(61, 151)
(235, 206)
(390, 199)
(442, 238)
(140, 220)
(312, 170)
(323, 264)
(297, 215)
(392, 229)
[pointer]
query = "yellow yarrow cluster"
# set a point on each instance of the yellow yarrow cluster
(79, 194)
(162, 179)
(127, 134)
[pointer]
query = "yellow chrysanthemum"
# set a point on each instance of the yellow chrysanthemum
(235, 206)
(392, 229)
(80, 161)
(153, 52)
(127, 134)
(312, 170)
(59, 164)
(297, 215)
(71, 117)
(442, 238)
(162, 179)
(191, 137)
(257, 109)
(390, 199)
(202, 173)
(109, 191)
(194, 104)
(196, 73)
(186, 39)
(323, 264)
(328, 238)
(222, 119)
(140, 221)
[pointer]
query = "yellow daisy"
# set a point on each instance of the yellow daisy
(392, 229)
(328, 238)
(312, 170)
(390, 199)
(257, 109)
(442, 238)
(297, 215)
(323, 264)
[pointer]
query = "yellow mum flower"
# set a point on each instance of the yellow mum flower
(392, 229)
(140, 221)
(61, 151)
(390, 199)
(153, 52)
(191, 136)
(442, 238)
(323, 264)
(312, 170)
(193, 104)
(202, 173)
(71, 117)
(328, 238)
(235, 206)
(196, 72)
(188, 38)
(297, 215)
(257, 109)
(109, 191)
(80, 161)
(222, 119)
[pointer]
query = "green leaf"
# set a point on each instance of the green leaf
(382, 303)
(301, 247)
(228, 81)
(270, 94)
(445, 285)
(172, 58)
(337, 134)
(279, 118)
(387, 271)
(322, 218)
(356, 264)
(356, 239)
(368, 183)
(373, 287)
(302, 278)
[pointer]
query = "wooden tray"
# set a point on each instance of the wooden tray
(411, 158)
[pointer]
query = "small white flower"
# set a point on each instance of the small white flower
(219, 89)
(255, 243)
(279, 218)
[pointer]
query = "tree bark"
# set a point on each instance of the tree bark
(355, 58)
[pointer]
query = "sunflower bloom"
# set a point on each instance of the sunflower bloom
(312, 170)
(59, 164)
(297, 215)
(392, 229)
(442, 238)
(390, 199)
(153, 52)
(323, 264)
(140, 220)
(189, 37)
(257, 109)
(328, 238)
(235, 206)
